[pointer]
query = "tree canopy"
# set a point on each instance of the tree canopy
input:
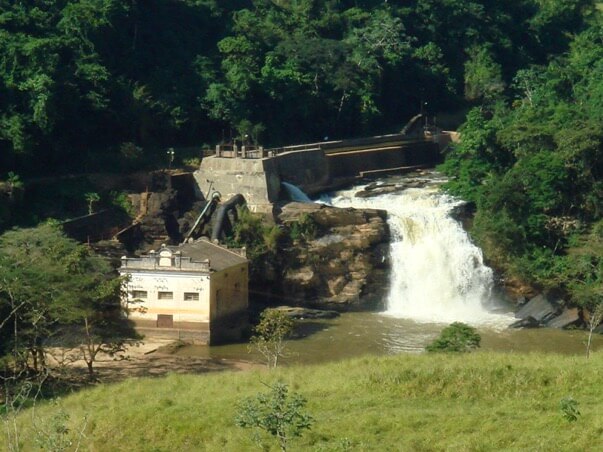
(531, 158)
(51, 288)
(83, 81)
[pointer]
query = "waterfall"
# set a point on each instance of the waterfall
(438, 274)
(295, 193)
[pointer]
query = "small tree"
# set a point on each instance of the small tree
(269, 335)
(91, 199)
(594, 320)
(275, 412)
(456, 337)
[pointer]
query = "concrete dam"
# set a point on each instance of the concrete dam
(257, 173)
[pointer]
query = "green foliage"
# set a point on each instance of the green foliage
(49, 285)
(483, 76)
(456, 337)
(278, 412)
(569, 409)
(55, 433)
(122, 201)
(269, 335)
(304, 228)
(260, 240)
(108, 83)
(532, 164)
(400, 402)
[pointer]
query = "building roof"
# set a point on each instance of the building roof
(219, 257)
(201, 256)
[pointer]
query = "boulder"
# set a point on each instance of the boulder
(540, 308)
(307, 313)
(528, 322)
(566, 318)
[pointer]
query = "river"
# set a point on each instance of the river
(438, 276)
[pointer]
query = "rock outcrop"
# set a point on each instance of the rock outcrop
(546, 311)
(299, 313)
(344, 265)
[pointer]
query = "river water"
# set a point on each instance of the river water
(438, 276)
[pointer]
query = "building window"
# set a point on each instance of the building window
(165, 295)
(191, 296)
(139, 294)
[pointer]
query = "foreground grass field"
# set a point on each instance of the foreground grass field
(480, 401)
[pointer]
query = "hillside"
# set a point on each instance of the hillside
(481, 401)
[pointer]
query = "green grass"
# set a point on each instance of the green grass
(479, 401)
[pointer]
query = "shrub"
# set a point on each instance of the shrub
(276, 412)
(569, 409)
(456, 337)
(304, 228)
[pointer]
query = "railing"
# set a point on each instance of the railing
(329, 147)
(152, 263)
(245, 151)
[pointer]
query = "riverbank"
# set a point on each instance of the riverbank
(152, 357)
(479, 401)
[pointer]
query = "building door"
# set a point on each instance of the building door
(165, 321)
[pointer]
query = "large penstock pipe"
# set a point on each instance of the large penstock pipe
(221, 216)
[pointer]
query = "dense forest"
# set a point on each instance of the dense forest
(92, 85)
(531, 158)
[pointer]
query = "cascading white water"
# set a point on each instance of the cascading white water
(438, 275)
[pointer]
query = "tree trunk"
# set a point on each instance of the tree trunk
(90, 365)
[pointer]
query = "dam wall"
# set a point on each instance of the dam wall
(307, 169)
(313, 168)
(355, 163)
(258, 180)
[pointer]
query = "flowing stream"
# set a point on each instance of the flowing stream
(438, 274)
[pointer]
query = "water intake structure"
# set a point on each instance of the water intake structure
(438, 274)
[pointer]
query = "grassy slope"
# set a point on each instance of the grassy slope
(482, 401)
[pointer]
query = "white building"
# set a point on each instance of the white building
(195, 291)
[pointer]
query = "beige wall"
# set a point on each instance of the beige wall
(229, 302)
(221, 308)
(176, 282)
(229, 291)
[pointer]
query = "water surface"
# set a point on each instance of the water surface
(360, 333)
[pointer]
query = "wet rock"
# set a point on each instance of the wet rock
(567, 318)
(539, 308)
(528, 322)
(463, 213)
(378, 190)
(307, 313)
(375, 189)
